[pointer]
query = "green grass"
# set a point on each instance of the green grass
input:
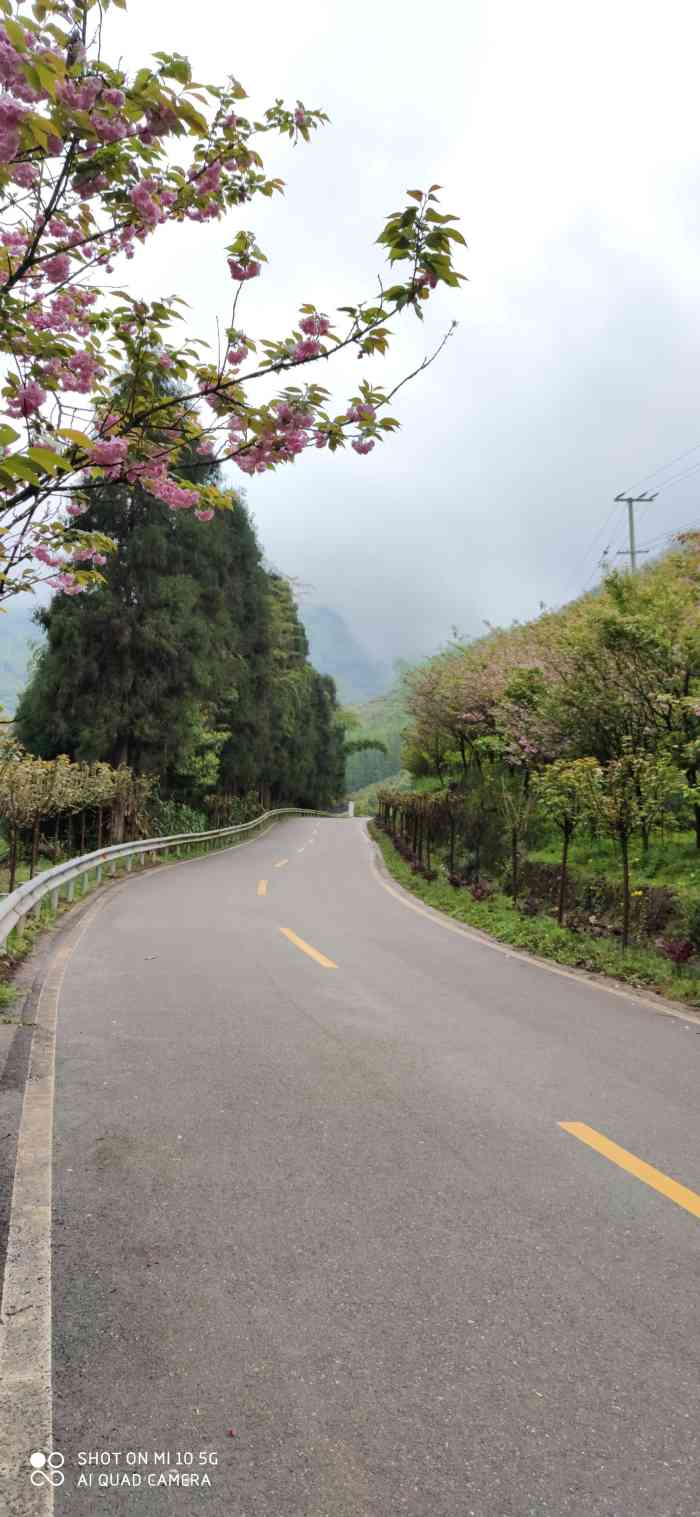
(672, 860)
(22, 872)
(541, 935)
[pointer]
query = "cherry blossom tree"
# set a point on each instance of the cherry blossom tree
(95, 159)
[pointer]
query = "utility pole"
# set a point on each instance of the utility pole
(631, 501)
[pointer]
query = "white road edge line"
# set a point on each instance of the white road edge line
(26, 1391)
(463, 930)
(26, 1420)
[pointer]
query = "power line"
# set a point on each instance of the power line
(585, 557)
(669, 465)
(676, 479)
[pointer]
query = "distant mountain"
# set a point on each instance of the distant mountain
(335, 650)
(18, 635)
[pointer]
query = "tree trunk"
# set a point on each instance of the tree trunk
(35, 847)
(463, 757)
(116, 829)
(70, 834)
(99, 826)
(514, 863)
(691, 775)
(82, 831)
(13, 859)
(562, 880)
(452, 845)
(624, 849)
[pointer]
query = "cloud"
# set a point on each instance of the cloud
(566, 139)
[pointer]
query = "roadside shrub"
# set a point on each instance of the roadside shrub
(693, 923)
(168, 817)
(678, 950)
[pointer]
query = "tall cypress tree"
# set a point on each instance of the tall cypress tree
(188, 633)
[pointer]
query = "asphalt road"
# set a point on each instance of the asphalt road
(322, 1224)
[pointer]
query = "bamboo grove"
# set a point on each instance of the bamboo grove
(583, 721)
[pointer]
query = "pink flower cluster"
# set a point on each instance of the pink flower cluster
(238, 352)
(109, 453)
(143, 198)
(240, 269)
(66, 312)
(315, 326)
(286, 436)
(80, 372)
(81, 95)
(26, 400)
(309, 347)
(174, 496)
(67, 583)
(25, 175)
(57, 268)
(11, 118)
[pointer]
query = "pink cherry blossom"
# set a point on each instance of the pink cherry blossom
(25, 175)
(58, 267)
(108, 453)
(315, 326)
(27, 399)
(240, 271)
(309, 347)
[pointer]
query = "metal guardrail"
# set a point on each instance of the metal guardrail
(24, 900)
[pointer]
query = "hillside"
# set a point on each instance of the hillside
(18, 634)
(383, 717)
(335, 650)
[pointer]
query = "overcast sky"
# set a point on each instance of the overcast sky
(566, 137)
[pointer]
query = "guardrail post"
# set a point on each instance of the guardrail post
(129, 862)
(98, 874)
(54, 900)
(70, 892)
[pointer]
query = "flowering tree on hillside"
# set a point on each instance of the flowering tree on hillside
(94, 160)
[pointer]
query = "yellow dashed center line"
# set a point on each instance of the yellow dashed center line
(313, 953)
(262, 887)
(634, 1166)
(281, 863)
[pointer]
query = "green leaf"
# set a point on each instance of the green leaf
(21, 468)
(80, 438)
(47, 78)
(415, 194)
(7, 435)
(16, 35)
(46, 459)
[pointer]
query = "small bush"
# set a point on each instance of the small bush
(693, 923)
(678, 950)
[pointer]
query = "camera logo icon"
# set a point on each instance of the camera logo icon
(47, 1469)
